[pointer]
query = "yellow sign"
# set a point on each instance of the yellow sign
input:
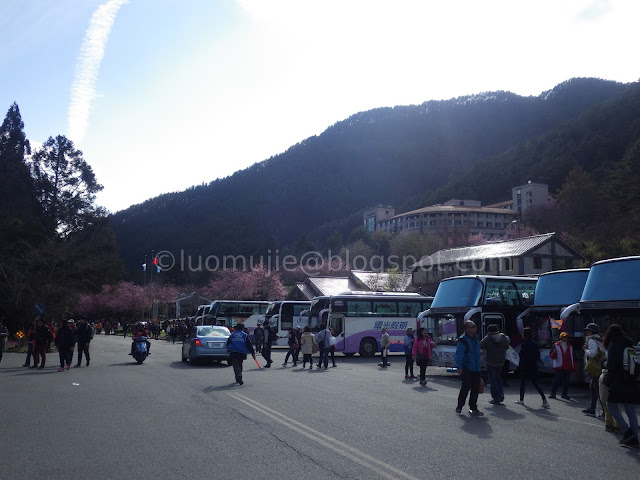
(19, 334)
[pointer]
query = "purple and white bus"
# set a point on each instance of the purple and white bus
(358, 317)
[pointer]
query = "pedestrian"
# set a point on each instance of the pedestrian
(332, 348)
(323, 338)
(84, 334)
(238, 346)
(31, 340)
(385, 342)
(307, 345)
(407, 344)
(292, 342)
(468, 364)
(124, 329)
(296, 353)
(4, 333)
(564, 364)
(624, 390)
(421, 352)
(529, 359)
(65, 340)
(610, 425)
(42, 336)
(258, 336)
(270, 336)
(593, 354)
(495, 345)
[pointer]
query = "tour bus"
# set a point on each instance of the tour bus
(555, 291)
(318, 312)
(201, 312)
(611, 295)
(483, 299)
(231, 312)
(358, 317)
(286, 314)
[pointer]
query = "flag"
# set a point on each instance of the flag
(144, 267)
(158, 267)
(155, 261)
(556, 323)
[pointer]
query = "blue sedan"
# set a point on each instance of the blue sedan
(206, 342)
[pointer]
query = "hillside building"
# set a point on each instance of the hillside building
(461, 218)
(356, 281)
(523, 256)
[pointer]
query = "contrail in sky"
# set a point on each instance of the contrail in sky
(88, 67)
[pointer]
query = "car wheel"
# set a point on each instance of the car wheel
(368, 347)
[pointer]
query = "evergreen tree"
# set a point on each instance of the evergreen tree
(66, 185)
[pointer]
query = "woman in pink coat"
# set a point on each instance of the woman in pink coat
(422, 347)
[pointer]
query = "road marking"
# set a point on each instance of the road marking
(325, 440)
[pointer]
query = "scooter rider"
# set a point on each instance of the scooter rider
(141, 331)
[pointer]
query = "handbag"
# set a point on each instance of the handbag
(593, 367)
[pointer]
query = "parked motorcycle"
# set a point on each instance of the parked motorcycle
(140, 349)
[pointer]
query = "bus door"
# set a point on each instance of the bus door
(337, 323)
(491, 319)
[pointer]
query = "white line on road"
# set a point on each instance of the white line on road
(325, 440)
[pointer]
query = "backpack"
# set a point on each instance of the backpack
(631, 363)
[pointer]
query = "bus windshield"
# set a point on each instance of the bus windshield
(458, 292)
(613, 281)
(562, 288)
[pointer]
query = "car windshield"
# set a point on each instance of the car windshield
(213, 332)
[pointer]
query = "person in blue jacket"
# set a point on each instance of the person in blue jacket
(468, 365)
(238, 346)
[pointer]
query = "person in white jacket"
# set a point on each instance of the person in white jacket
(592, 345)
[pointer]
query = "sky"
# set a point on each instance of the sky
(161, 95)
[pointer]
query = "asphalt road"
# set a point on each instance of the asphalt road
(165, 419)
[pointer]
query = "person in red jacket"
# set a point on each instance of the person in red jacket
(564, 364)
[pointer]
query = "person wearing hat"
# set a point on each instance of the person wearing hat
(238, 346)
(593, 349)
(407, 344)
(563, 364)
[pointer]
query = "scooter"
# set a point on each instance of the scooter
(140, 349)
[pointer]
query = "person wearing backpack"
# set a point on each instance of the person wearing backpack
(495, 344)
(624, 391)
(593, 353)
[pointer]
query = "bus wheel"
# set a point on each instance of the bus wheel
(368, 347)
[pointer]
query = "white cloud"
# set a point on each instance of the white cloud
(88, 67)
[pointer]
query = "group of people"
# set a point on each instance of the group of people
(299, 341)
(610, 382)
(65, 338)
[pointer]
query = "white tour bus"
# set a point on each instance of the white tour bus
(483, 299)
(201, 312)
(286, 314)
(358, 317)
(232, 312)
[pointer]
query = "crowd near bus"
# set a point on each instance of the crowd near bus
(581, 325)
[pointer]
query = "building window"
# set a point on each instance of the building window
(537, 263)
(489, 224)
(506, 264)
(480, 224)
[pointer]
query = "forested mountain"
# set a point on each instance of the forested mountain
(476, 146)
